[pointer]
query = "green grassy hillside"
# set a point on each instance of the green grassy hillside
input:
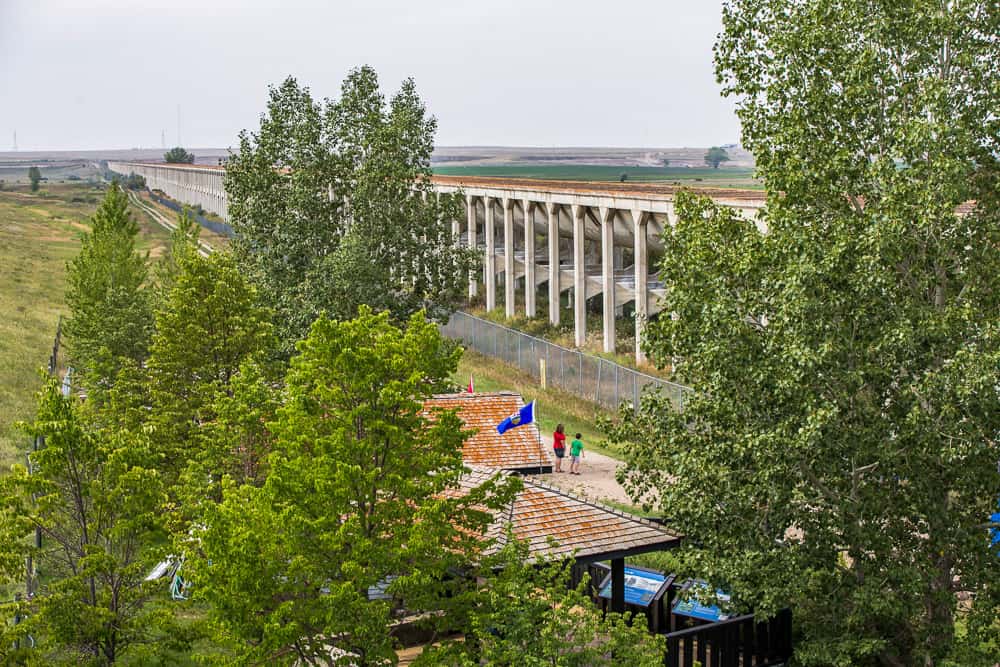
(39, 233)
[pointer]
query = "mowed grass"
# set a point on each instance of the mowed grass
(39, 234)
(553, 406)
(707, 177)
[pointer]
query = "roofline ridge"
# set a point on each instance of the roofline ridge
(465, 394)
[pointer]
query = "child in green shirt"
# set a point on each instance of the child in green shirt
(575, 452)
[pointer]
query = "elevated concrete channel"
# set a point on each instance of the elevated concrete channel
(568, 238)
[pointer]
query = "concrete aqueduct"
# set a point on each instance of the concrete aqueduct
(595, 239)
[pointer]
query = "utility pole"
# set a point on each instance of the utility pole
(163, 139)
(15, 141)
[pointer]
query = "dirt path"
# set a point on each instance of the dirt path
(595, 481)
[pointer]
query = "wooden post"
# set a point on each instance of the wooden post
(618, 585)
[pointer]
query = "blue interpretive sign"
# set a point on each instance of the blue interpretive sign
(687, 604)
(641, 586)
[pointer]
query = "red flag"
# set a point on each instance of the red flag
(470, 389)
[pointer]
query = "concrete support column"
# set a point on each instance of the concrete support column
(491, 257)
(639, 220)
(579, 276)
(470, 204)
(608, 275)
(554, 291)
(508, 257)
(528, 207)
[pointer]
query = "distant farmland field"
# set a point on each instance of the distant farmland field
(723, 178)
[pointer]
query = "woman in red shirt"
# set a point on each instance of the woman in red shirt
(559, 446)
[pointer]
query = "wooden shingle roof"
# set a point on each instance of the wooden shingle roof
(519, 449)
(556, 523)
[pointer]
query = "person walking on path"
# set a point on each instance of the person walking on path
(575, 453)
(559, 446)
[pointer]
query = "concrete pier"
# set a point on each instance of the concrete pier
(594, 238)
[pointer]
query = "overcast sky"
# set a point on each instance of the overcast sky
(79, 74)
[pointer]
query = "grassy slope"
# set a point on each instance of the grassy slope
(723, 178)
(39, 233)
(217, 241)
(554, 406)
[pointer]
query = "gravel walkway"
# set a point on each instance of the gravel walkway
(595, 481)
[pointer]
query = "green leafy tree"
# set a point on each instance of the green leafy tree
(133, 182)
(359, 492)
(527, 613)
(183, 245)
(35, 176)
(110, 311)
(238, 441)
(716, 156)
(178, 155)
(209, 325)
(333, 207)
(95, 499)
(841, 452)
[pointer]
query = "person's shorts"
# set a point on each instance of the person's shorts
(560, 452)
(574, 459)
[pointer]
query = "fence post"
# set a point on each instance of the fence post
(547, 348)
(541, 373)
(617, 402)
(597, 389)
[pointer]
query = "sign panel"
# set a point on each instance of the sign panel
(693, 608)
(640, 586)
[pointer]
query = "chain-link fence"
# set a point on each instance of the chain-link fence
(591, 377)
(217, 227)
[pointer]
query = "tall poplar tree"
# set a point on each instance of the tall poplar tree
(840, 454)
(208, 326)
(110, 307)
(333, 207)
(35, 177)
(183, 244)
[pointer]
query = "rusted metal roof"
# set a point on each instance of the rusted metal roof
(519, 449)
(556, 523)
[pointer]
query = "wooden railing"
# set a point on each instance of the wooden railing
(742, 641)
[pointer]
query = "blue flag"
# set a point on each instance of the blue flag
(525, 415)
